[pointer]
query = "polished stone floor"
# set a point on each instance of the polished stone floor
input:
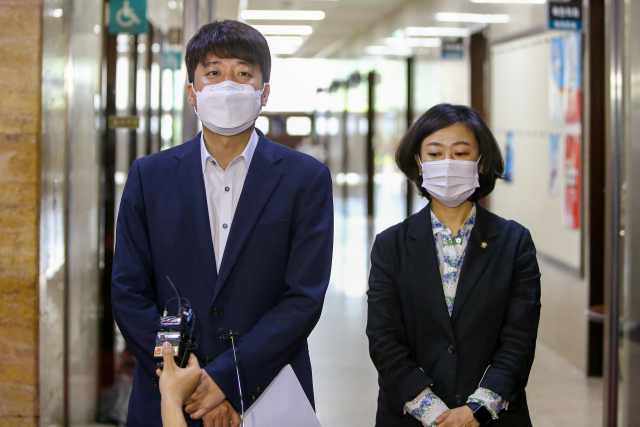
(345, 380)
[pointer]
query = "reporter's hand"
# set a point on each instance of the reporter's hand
(221, 416)
(207, 397)
(458, 417)
(177, 384)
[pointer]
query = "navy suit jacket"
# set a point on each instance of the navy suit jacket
(415, 344)
(272, 280)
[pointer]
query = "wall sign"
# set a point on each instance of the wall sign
(565, 15)
(452, 49)
(127, 16)
(124, 122)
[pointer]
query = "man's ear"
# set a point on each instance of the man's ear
(265, 94)
(191, 94)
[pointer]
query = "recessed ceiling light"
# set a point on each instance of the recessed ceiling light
(303, 15)
(511, 1)
(388, 50)
(284, 40)
(173, 5)
(301, 30)
(436, 32)
(413, 42)
(472, 17)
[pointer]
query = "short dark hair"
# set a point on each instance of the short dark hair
(228, 39)
(439, 117)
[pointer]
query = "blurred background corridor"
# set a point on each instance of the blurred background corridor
(88, 86)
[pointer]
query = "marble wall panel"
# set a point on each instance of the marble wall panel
(20, 52)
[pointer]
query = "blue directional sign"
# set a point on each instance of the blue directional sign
(565, 15)
(128, 16)
(452, 49)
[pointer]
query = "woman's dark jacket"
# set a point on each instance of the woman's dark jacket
(413, 342)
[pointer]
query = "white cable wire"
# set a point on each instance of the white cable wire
(238, 375)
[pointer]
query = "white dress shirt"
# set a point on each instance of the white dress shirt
(223, 189)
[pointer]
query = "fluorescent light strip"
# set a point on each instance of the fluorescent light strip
(436, 32)
(283, 50)
(511, 1)
(388, 51)
(294, 30)
(409, 42)
(284, 40)
(472, 17)
(303, 15)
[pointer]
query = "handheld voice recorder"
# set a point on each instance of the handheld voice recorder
(177, 330)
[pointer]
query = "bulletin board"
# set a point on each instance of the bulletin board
(536, 118)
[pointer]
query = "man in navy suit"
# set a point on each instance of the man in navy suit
(244, 228)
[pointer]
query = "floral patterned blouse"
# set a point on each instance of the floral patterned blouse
(450, 250)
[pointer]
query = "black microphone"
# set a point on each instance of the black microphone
(222, 334)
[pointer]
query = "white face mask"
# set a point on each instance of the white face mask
(450, 181)
(228, 108)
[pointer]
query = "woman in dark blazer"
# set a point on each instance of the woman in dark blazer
(453, 316)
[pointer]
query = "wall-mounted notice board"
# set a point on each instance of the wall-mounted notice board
(535, 115)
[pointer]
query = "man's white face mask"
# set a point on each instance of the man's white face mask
(228, 108)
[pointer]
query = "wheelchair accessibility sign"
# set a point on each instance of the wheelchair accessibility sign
(127, 16)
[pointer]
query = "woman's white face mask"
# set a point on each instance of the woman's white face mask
(228, 108)
(452, 182)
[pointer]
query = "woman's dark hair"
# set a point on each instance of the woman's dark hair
(439, 117)
(228, 39)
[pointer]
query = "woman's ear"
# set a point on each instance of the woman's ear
(418, 162)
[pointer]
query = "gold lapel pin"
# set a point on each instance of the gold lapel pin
(483, 245)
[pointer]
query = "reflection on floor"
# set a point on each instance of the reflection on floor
(345, 380)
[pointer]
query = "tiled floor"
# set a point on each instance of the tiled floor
(345, 380)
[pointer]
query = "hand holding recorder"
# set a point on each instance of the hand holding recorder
(176, 386)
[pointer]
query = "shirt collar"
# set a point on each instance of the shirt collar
(437, 226)
(247, 154)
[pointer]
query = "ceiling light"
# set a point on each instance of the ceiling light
(436, 32)
(511, 1)
(172, 4)
(284, 40)
(388, 50)
(302, 30)
(419, 42)
(283, 50)
(472, 17)
(304, 15)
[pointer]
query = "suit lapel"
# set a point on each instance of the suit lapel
(262, 178)
(422, 250)
(187, 177)
(480, 249)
